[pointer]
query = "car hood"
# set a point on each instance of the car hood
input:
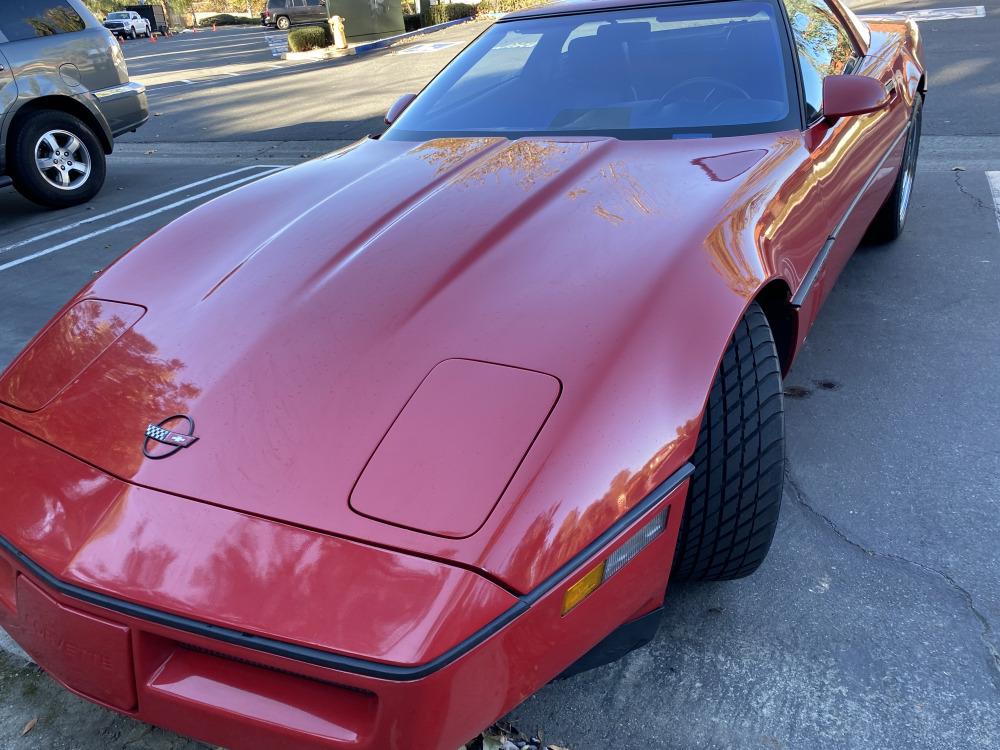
(294, 319)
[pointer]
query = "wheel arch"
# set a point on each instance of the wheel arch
(775, 299)
(56, 103)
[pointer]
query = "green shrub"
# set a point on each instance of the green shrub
(507, 6)
(444, 12)
(226, 19)
(306, 38)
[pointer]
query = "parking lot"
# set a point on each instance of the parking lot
(874, 623)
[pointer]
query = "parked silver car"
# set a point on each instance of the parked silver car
(65, 95)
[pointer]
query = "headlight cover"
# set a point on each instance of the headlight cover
(63, 350)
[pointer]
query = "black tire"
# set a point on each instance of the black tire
(735, 492)
(131, 33)
(282, 23)
(891, 218)
(30, 180)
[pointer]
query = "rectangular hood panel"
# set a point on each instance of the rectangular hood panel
(452, 451)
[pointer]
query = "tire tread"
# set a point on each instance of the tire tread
(735, 492)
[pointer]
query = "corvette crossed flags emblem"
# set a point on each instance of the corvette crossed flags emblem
(173, 438)
(163, 435)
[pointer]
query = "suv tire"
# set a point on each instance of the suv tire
(74, 155)
(282, 23)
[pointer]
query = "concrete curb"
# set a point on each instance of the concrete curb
(366, 47)
(326, 53)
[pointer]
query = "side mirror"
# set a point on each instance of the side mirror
(852, 95)
(397, 108)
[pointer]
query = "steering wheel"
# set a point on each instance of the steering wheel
(710, 85)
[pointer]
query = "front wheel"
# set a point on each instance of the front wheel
(282, 23)
(57, 160)
(131, 33)
(889, 221)
(735, 492)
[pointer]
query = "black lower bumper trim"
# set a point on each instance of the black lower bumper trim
(624, 639)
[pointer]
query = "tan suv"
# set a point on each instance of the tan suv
(65, 95)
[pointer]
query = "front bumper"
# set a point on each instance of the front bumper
(128, 601)
(125, 107)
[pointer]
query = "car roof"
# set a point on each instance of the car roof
(567, 7)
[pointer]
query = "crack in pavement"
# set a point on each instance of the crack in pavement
(980, 203)
(993, 655)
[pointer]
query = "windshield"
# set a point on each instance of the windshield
(118, 15)
(706, 69)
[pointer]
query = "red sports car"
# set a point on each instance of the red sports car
(439, 418)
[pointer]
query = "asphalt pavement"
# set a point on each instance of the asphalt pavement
(875, 621)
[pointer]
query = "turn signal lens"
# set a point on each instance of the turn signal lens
(583, 588)
(624, 554)
(615, 562)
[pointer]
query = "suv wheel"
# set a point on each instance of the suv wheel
(57, 160)
(131, 33)
(282, 23)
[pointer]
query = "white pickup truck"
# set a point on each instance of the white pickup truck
(127, 23)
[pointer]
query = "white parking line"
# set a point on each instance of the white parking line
(263, 73)
(422, 49)
(994, 180)
(190, 50)
(134, 219)
(151, 199)
(154, 87)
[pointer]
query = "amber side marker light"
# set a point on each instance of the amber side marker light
(614, 562)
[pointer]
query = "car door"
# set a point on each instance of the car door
(317, 10)
(297, 11)
(850, 156)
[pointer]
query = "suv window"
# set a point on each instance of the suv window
(26, 19)
(823, 45)
(276, 4)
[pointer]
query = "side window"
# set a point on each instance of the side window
(298, 3)
(823, 45)
(25, 19)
